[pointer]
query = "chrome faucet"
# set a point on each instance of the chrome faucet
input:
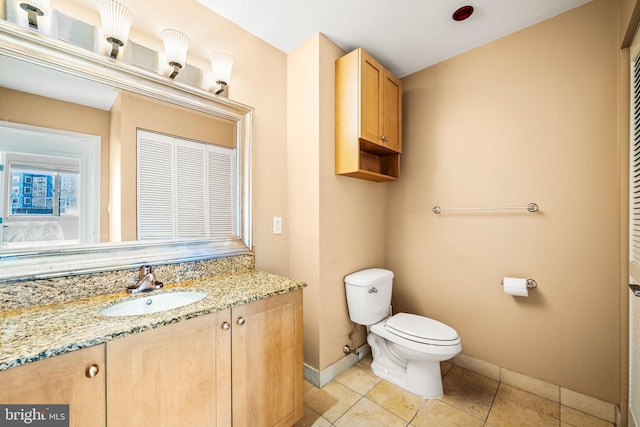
(146, 281)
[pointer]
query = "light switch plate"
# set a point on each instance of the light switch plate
(276, 225)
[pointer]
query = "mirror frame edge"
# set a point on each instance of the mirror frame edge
(33, 47)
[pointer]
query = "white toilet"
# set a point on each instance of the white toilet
(407, 349)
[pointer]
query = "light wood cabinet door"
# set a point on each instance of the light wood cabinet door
(380, 104)
(371, 92)
(61, 380)
(391, 112)
(175, 375)
(267, 377)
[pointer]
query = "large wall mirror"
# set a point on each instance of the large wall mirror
(72, 126)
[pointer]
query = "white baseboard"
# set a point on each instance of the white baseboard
(600, 409)
(581, 402)
(324, 377)
(631, 422)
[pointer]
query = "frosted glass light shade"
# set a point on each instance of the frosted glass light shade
(176, 45)
(42, 7)
(221, 64)
(116, 21)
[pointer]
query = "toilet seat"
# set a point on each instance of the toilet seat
(417, 332)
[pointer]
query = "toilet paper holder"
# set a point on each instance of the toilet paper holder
(530, 283)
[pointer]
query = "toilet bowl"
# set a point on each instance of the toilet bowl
(407, 351)
(407, 348)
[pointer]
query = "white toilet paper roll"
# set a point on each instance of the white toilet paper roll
(515, 286)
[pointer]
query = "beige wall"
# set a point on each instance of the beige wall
(337, 224)
(303, 204)
(623, 142)
(530, 117)
(260, 80)
(25, 108)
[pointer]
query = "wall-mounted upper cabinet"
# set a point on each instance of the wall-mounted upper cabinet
(368, 118)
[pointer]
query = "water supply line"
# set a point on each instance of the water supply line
(356, 348)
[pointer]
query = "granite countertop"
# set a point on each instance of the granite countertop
(35, 333)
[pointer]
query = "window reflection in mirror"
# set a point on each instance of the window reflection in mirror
(43, 202)
(48, 195)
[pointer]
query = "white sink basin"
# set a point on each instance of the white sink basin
(153, 303)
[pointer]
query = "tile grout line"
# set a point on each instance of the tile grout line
(493, 401)
(484, 420)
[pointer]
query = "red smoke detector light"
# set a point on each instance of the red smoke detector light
(462, 13)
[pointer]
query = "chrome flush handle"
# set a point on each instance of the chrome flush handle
(373, 290)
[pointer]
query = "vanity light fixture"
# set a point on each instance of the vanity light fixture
(221, 64)
(176, 45)
(116, 23)
(35, 8)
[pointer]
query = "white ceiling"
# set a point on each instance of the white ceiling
(405, 39)
(405, 36)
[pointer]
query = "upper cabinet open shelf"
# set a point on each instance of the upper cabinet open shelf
(368, 118)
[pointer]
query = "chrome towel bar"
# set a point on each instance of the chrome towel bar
(531, 207)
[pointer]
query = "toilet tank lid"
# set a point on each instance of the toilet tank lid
(368, 277)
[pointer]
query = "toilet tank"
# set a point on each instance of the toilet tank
(369, 295)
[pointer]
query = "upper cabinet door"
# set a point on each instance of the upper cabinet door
(380, 104)
(371, 119)
(392, 112)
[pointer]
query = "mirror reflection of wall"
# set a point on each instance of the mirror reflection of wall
(117, 128)
(129, 114)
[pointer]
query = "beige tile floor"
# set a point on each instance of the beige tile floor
(357, 398)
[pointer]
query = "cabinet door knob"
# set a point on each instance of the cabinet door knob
(92, 370)
(240, 321)
(225, 326)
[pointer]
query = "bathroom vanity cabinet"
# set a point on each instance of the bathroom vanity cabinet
(241, 366)
(76, 378)
(368, 118)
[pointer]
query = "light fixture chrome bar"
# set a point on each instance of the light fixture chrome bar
(32, 14)
(531, 207)
(176, 69)
(115, 46)
(223, 87)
